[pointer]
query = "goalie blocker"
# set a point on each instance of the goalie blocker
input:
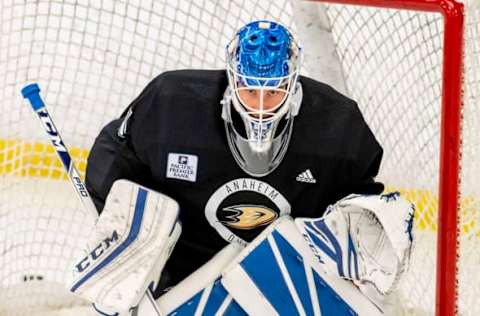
(133, 238)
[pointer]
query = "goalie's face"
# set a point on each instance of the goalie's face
(262, 104)
(261, 101)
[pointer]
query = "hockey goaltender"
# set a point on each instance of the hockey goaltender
(262, 182)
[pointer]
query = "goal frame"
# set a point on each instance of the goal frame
(81, 48)
(450, 139)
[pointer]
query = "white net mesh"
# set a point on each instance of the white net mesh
(393, 69)
(91, 58)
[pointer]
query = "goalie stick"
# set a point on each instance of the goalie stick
(31, 92)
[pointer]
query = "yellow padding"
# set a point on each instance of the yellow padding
(40, 160)
(426, 205)
(37, 159)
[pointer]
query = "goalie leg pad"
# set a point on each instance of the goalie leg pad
(201, 293)
(278, 274)
(133, 238)
(212, 300)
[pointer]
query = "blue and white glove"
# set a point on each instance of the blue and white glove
(364, 238)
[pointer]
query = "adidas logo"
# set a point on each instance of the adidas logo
(306, 176)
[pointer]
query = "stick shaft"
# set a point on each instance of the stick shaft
(32, 93)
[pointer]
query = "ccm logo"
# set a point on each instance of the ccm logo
(51, 130)
(96, 252)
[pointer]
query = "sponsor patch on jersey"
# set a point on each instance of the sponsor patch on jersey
(182, 167)
(240, 209)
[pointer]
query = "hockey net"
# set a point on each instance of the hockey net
(418, 89)
(91, 58)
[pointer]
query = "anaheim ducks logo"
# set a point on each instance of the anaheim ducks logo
(240, 209)
(248, 216)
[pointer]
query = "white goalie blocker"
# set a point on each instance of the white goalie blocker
(134, 237)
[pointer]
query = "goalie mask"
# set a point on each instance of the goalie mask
(263, 95)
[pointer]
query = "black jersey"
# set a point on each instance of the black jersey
(173, 140)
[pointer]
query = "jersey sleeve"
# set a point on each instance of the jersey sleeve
(114, 155)
(367, 183)
(358, 175)
(369, 155)
(110, 159)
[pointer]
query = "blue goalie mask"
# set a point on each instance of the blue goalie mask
(263, 64)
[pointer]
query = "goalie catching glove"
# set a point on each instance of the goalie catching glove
(365, 238)
(133, 238)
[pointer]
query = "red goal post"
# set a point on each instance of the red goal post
(450, 140)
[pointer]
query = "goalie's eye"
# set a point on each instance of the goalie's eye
(272, 93)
